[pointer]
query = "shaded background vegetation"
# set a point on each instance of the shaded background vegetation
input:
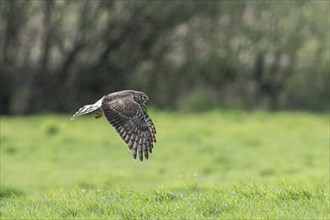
(59, 55)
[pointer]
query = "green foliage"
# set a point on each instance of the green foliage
(230, 202)
(199, 100)
(9, 192)
(254, 54)
(206, 165)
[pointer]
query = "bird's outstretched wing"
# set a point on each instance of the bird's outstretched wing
(132, 123)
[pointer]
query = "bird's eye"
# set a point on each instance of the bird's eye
(144, 98)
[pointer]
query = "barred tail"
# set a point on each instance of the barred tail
(87, 109)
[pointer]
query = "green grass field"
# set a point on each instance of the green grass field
(209, 165)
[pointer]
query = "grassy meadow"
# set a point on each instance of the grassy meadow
(217, 164)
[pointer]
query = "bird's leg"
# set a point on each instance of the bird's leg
(98, 114)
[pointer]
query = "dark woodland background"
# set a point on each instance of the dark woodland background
(186, 55)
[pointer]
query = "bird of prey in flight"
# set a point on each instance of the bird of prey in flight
(127, 113)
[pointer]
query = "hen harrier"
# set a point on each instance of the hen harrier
(127, 113)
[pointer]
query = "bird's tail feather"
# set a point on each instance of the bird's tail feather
(87, 109)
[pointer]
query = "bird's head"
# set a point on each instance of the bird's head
(144, 98)
(141, 97)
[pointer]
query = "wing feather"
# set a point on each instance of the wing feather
(131, 122)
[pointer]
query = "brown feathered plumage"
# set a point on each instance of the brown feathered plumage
(127, 113)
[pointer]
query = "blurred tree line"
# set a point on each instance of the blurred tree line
(186, 55)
